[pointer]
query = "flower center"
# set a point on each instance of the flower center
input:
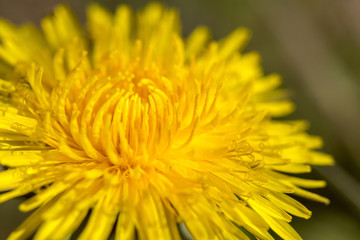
(115, 115)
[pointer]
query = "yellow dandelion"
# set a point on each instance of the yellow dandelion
(147, 131)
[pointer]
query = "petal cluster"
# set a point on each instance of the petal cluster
(128, 128)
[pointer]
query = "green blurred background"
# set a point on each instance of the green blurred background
(315, 46)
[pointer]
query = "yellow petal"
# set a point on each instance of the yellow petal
(322, 159)
(307, 183)
(62, 227)
(9, 179)
(61, 28)
(152, 219)
(312, 196)
(282, 228)
(101, 220)
(278, 108)
(43, 196)
(196, 41)
(29, 225)
(233, 43)
(292, 168)
(263, 206)
(289, 204)
(125, 228)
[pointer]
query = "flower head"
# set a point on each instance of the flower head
(147, 131)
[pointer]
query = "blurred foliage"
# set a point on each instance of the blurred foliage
(315, 46)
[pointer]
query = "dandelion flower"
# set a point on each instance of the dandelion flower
(126, 127)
